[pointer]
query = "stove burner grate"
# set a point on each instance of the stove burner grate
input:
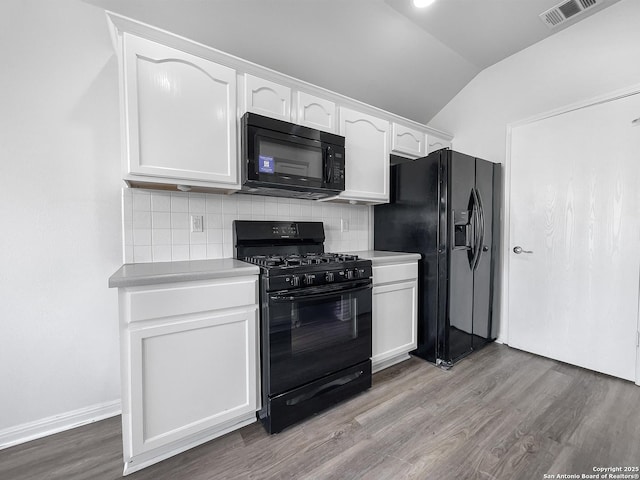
(295, 260)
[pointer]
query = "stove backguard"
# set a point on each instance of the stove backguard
(273, 237)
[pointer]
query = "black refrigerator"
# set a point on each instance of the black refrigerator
(446, 207)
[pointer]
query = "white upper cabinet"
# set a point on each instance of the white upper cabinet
(180, 117)
(407, 141)
(435, 143)
(267, 98)
(366, 157)
(181, 103)
(316, 112)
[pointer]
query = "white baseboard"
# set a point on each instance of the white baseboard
(57, 423)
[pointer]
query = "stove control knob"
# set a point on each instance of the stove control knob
(350, 274)
(295, 281)
(309, 279)
(329, 277)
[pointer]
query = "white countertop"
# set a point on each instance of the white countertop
(379, 257)
(136, 274)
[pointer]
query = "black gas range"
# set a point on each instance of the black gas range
(315, 319)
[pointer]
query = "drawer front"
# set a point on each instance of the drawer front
(146, 303)
(395, 273)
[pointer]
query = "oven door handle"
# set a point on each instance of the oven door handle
(321, 293)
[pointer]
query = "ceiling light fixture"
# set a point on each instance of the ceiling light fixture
(422, 3)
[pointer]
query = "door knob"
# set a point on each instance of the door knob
(519, 250)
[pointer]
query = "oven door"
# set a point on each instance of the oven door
(314, 332)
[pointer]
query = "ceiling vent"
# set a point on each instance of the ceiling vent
(566, 10)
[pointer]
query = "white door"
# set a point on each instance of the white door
(574, 206)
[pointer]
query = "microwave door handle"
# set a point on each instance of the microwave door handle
(324, 163)
(331, 169)
(328, 165)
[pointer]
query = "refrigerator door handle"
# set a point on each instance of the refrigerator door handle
(481, 222)
(475, 246)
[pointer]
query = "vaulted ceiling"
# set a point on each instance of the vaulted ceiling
(385, 53)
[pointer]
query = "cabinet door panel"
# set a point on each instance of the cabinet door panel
(435, 143)
(267, 98)
(190, 375)
(180, 114)
(316, 112)
(408, 141)
(366, 156)
(394, 320)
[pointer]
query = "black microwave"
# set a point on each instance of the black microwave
(287, 160)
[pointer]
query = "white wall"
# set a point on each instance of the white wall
(59, 211)
(599, 55)
(593, 57)
(61, 206)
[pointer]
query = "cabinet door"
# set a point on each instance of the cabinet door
(394, 326)
(366, 157)
(190, 375)
(408, 141)
(316, 112)
(180, 114)
(435, 143)
(267, 98)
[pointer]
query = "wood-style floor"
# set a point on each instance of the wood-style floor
(499, 414)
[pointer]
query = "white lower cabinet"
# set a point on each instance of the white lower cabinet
(189, 374)
(395, 313)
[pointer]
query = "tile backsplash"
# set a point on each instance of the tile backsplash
(157, 224)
